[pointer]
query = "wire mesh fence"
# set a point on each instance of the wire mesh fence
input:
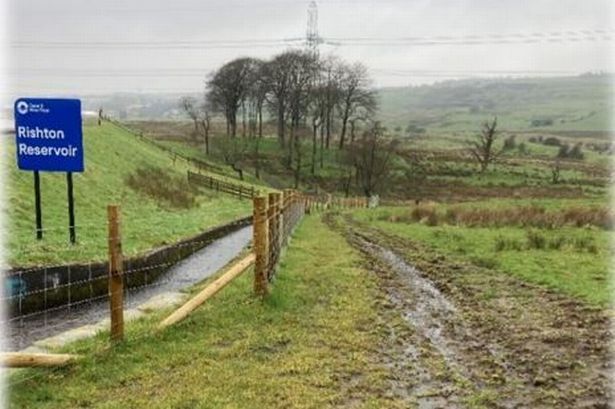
(53, 305)
(48, 300)
(275, 218)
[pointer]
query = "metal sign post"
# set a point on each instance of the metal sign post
(71, 208)
(37, 205)
(49, 138)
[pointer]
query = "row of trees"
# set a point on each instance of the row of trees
(296, 88)
(325, 100)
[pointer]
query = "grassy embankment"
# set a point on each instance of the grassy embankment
(566, 258)
(308, 345)
(111, 157)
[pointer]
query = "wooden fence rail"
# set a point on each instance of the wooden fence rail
(219, 185)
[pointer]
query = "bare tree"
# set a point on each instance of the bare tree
(372, 156)
(555, 171)
(257, 95)
(332, 72)
(354, 95)
(298, 163)
(362, 116)
(302, 70)
(189, 106)
(206, 126)
(346, 161)
(482, 148)
(257, 158)
(227, 89)
(233, 151)
(318, 110)
(276, 77)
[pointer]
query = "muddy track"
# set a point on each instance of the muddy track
(472, 337)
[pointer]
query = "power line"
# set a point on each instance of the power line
(201, 45)
(201, 73)
(464, 40)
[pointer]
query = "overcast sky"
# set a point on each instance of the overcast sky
(80, 47)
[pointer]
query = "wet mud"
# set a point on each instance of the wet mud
(462, 336)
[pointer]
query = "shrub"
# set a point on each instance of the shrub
(432, 218)
(557, 243)
(510, 143)
(585, 243)
(552, 141)
(530, 216)
(163, 187)
(385, 216)
(588, 216)
(485, 262)
(572, 153)
(522, 149)
(535, 240)
(419, 213)
(451, 215)
(504, 243)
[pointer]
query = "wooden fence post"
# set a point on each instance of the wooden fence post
(279, 221)
(260, 245)
(116, 277)
(285, 216)
(272, 217)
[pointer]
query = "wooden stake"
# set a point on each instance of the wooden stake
(279, 221)
(24, 360)
(260, 245)
(182, 312)
(116, 277)
(273, 230)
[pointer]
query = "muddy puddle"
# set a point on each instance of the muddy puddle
(435, 363)
(429, 314)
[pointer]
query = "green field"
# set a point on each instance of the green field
(111, 156)
(568, 259)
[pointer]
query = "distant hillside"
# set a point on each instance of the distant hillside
(580, 103)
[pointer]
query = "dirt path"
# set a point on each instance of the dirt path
(471, 337)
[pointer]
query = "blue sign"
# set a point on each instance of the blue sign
(48, 134)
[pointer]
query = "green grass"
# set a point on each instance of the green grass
(110, 156)
(574, 271)
(271, 154)
(308, 346)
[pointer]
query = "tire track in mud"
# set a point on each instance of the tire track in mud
(454, 354)
(440, 347)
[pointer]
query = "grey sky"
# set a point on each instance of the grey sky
(541, 37)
